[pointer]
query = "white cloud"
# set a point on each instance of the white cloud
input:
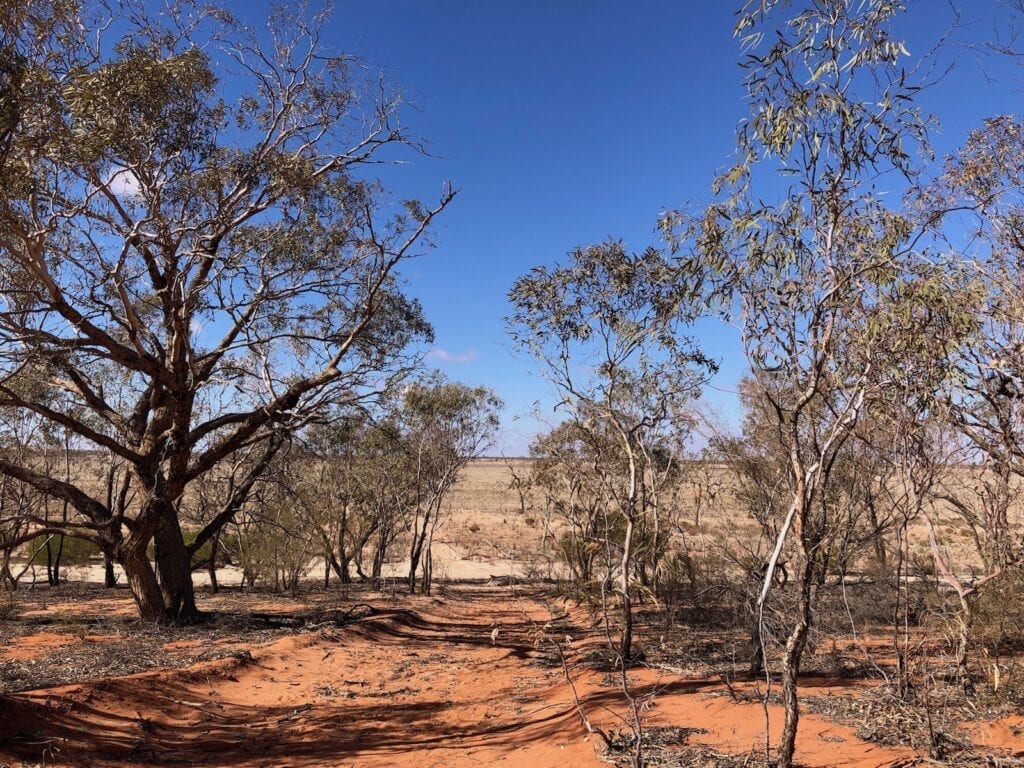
(123, 183)
(445, 356)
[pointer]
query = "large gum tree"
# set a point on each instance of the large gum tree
(193, 258)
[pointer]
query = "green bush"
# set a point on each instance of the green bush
(73, 551)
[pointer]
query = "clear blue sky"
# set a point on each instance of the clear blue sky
(566, 122)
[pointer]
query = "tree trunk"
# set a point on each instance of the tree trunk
(214, 546)
(340, 567)
(7, 579)
(901, 605)
(791, 665)
(379, 554)
(416, 550)
(428, 562)
(143, 584)
(757, 649)
(963, 671)
(58, 557)
(174, 564)
(109, 577)
(586, 572)
(50, 579)
(428, 571)
(626, 645)
(345, 557)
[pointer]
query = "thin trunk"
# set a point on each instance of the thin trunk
(358, 563)
(6, 577)
(379, 554)
(757, 652)
(419, 537)
(55, 574)
(428, 571)
(586, 564)
(791, 658)
(212, 566)
(428, 560)
(626, 646)
(340, 568)
(344, 556)
(963, 671)
(109, 577)
(58, 556)
(49, 563)
(901, 605)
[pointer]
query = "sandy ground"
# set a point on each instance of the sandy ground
(466, 679)
(422, 686)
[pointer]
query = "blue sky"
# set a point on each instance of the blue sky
(566, 122)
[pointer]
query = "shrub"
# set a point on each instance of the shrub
(73, 551)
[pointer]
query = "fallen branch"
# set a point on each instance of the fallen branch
(587, 725)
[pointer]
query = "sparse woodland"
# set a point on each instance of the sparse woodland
(210, 363)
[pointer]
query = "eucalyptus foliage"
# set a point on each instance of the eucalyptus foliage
(823, 272)
(194, 257)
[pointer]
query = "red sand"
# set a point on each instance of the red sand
(427, 685)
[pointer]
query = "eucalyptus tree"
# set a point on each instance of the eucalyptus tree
(324, 493)
(444, 426)
(800, 250)
(980, 190)
(852, 512)
(385, 490)
(606, 330)
(23, 436)
(584, 474)
(567, 466)
(758, 463)
(983, 183)
(275, 544)
(185, 200)
(932, 318)
(216, 498)
(359, 487)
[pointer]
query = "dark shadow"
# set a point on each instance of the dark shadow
(84, 734)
